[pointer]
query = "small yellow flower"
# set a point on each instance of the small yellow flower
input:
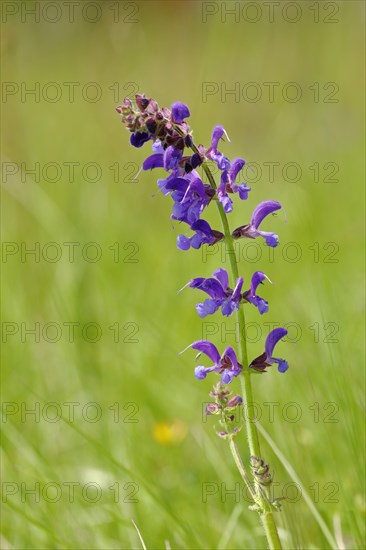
(169, 433)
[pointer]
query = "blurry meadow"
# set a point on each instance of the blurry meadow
(117, 431)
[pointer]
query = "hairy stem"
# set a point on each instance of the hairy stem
(241, 468)
(270, 529)
(267, 519)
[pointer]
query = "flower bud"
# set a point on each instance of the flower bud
(153, 107)
(141, 101)
(151, 125)
(234, 401)
(258, 465)
(166, 112)
(220, 391)
(188, 141)
(127, 103)
(196, 160)
(265, 479)
(212, 408)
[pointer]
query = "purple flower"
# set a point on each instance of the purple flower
(167, 159)
(153, 161)
(163, 184)
(217, 287)
(266, 359)
(139, 138)
(172, 157)
(204, 235)
(227, 365)
(251, 230)
(251, 296)
(222, 193)
(222, 162)
(157, 147)
(241, 189)
(180, 111)
(196, 160)
(190, 197)
(227, 185)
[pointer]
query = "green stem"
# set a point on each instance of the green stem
(241, 468)
(270, 529)
(268, 522)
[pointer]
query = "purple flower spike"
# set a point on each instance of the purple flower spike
(251, 230)
(266, 359)
(217, 287)
(227, 365)
(251, 296)
(204, 235)
(180, 111)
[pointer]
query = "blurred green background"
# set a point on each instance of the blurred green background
(117, 433)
